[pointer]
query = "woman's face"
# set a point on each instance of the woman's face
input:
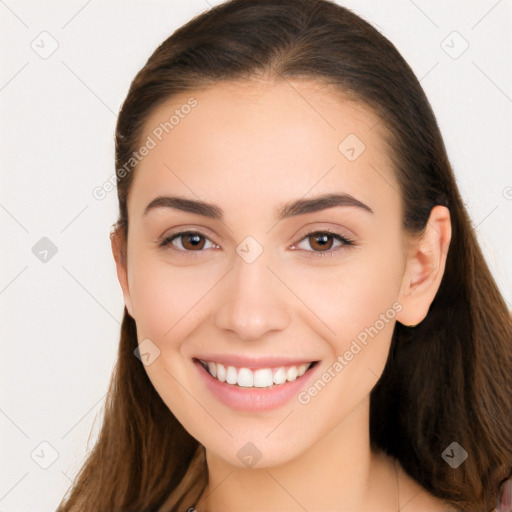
(252, 287)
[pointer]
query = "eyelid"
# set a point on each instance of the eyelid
(187, 228)
(316, 227)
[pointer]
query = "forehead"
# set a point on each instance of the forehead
(251, 142)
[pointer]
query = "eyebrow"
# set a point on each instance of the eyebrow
(290, 209)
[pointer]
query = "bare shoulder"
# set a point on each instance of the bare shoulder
(415, 498)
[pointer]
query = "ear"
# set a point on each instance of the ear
(425, 266)
(118, 243)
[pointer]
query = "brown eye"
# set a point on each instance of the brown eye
(321, 241)
(192, 241)
(188, 241)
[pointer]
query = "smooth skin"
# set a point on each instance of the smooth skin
(249, 148)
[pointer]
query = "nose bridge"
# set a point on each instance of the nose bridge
(252, 301)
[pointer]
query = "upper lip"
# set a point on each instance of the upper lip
(240, 361)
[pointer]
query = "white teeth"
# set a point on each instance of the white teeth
(263, 378)
(260, 378)
(231, 375)
(245, 378)
(221, 372)
(291, 374)
(280, 376)
(212, 367)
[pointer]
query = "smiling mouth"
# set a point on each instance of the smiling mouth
(256, 378)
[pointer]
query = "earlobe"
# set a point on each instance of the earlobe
(425, 267)
(118, 245)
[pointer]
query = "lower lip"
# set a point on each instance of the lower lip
(253, 399)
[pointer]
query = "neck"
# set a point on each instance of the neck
(339, 472)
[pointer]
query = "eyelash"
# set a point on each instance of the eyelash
(347, 242)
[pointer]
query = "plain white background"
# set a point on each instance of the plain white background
(61, 318)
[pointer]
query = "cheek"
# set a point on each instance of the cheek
(356, 300)
(164, 295)
(351, 296)
(166, 301)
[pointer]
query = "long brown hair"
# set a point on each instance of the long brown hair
(446, 380)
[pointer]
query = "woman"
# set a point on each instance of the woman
(314, 324)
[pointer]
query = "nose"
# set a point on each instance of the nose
(253, 301)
